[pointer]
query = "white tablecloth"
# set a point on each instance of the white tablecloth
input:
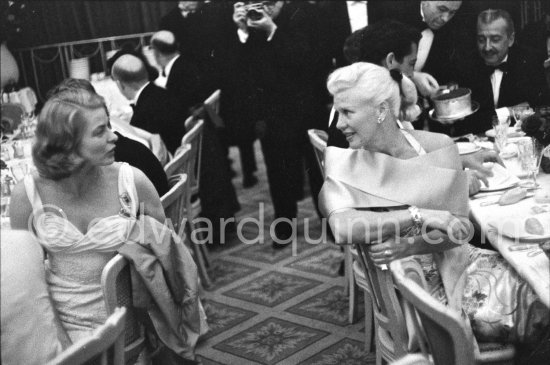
(527, 259)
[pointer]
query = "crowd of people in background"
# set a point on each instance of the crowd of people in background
(271, 60)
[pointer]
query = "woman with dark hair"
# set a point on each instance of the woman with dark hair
(80, 204)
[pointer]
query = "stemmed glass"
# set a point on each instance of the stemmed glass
(501, 133)
(519, 113)
(530, 152)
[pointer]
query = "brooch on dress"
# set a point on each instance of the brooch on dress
(125, 202)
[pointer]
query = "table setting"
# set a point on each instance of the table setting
(16, 161)
(513, 211)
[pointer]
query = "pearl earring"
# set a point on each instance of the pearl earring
(379, 119)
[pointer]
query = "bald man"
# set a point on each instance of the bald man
(155, 110)
(182, 77)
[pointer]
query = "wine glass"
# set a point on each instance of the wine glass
(501, 133)
(530, 152)
(520, 113)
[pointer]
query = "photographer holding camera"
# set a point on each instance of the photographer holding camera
(257, 15)
(275, 49)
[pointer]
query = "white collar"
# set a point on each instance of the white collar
(169, 65)
(135, 99)
(504, 60)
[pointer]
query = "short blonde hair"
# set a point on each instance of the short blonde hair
(59, 131)
(376, 86)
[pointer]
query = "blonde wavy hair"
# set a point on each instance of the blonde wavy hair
(376, 85)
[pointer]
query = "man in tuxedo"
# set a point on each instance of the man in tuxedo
(155, 110)
(197, 26)
(504, 75)
(339, 19)
(438, 46)
(180, 74)
(273, 44)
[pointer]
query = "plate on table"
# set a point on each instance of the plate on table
(465, 148)
(533, 229)
(512, 133)
(502, 179)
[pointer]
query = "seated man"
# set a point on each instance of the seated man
(504, 75)
(154, 109)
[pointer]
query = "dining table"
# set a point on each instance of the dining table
(525, 256)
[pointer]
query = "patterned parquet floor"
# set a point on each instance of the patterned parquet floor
(270, 306)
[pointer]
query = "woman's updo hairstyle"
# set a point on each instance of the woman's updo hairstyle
(376, 85)
(59, 131)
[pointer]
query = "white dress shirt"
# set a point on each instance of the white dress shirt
(496, 81)
(358, 16)
(243, 35)
(424, 46)
(161, 80)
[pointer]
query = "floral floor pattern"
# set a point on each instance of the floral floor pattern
(285, 306)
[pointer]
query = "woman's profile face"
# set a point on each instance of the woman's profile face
(356, 118)
(97, 146)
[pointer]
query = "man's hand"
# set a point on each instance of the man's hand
(239, 16)
(426, 84)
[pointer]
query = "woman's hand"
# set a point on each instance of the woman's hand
(474, 181)
(389, 250)
(456, 228)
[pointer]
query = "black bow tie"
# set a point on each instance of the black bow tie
(502, 67)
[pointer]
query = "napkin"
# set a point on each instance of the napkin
(501, 179)
(535, 228)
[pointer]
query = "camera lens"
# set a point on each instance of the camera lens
(254, 14)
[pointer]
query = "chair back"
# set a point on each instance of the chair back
(117, 292)
(318, 140)
(193, 119)
(104, 346)
(174, 204)
(12, 115)
(448, 335)
(392, 337)
(212, 106)
(193, 138)
(177, 164)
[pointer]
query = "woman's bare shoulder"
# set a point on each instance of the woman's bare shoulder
(431, 141)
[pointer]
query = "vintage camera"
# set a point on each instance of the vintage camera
(253, 12)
